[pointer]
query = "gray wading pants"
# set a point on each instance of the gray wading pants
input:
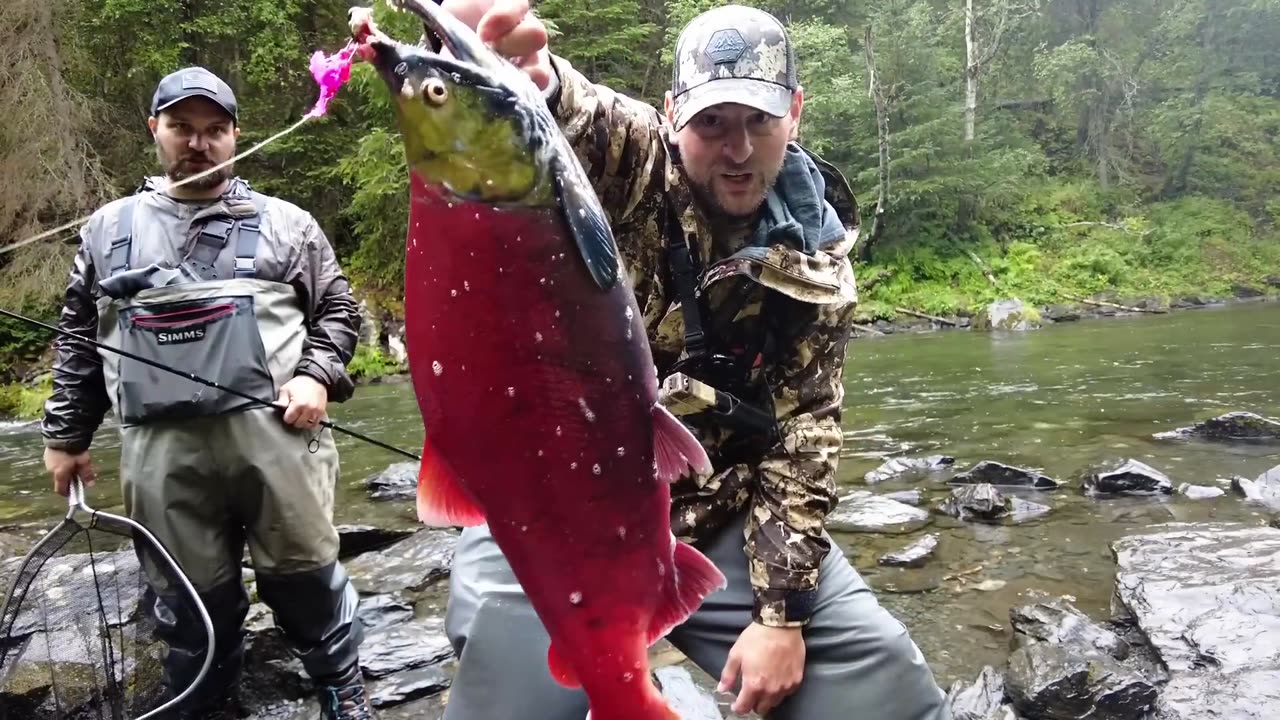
(859, 660)
(207, 486)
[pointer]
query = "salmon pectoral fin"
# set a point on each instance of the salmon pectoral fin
(675, 448)
(694, 578)
(442, 502)
(561, 671)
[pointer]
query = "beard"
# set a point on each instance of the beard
(182, 167)
(704, 193)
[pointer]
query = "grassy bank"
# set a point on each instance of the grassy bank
(1066, 249)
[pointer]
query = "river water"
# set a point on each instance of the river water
(1056, 399)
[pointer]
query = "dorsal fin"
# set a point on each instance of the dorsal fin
(586, 221)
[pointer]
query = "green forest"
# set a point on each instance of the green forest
(1048, 150)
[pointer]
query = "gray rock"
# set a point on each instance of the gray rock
(1232, 426)
(1011, 314)
(898, 467)
(1265, 490)
(56, 596)
(1208, 598)
(1001, 475)
(983, 700)
(914, 555)
(408, 686)
(411, 564)
(983, 503)
(397, 482)
(685, 696)
(1056, 682)
(1200, 492)
(863, 512)
(1128, 478)
(357, 539)
(1058, 622)
(407, 646)
(379, 611)
(910, 497)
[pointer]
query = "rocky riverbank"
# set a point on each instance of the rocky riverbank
(1014, 314)
(1192, 632)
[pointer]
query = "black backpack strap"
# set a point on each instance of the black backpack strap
(683, 269)
(122, 244)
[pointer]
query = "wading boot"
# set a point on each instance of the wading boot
(343, 696)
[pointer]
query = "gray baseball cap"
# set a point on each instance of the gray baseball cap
(190, 82)
(733, 54)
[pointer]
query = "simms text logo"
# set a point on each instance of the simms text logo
(173, 337)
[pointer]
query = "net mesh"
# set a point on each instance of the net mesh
(78, 638)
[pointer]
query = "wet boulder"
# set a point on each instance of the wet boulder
(357, 539)
(984, 503)
(1200, 492)
(690, 700)
(1061, 313)
(1001, 475)
(1059, 682)
(1058, 622)
(1265, 490)
(914, 555)
(1011, 314)
(1207, 596)
(398, 481)
(1232, 426)
(982, 700)
(1128, 478)
(409, 686)
(414, 563)
(901, 466)
(404, 646)
(864, 512)
(910, 497)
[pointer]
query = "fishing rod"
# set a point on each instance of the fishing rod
(202, 381)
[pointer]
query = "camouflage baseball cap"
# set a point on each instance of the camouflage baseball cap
(733, 54)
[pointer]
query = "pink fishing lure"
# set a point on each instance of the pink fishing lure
(331, 72)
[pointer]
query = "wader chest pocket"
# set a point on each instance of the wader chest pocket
(213, 338)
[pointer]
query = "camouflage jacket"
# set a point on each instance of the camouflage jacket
(788, 488)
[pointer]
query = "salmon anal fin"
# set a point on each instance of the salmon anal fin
(675, 448)
(694, 578)
(442, 502)
(560, 669)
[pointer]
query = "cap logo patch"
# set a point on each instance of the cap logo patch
(200, 81)
(725, 47)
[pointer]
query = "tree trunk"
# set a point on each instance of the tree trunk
(970, 73)
(882, 128)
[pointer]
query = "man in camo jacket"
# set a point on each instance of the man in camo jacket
(737, 240)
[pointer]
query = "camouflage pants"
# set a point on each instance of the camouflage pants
(859, 660)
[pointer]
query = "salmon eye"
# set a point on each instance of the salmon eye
(435, 91)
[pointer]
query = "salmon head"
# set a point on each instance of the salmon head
(476, 126)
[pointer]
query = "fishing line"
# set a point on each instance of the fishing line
(207, 383)
(75, 223)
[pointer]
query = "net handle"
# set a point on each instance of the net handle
(123, 525)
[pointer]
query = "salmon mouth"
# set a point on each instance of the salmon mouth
(443, 33)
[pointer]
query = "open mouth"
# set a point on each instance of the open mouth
(738, 181)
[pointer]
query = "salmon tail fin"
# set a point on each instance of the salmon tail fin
(693, 579)
(442, 502)
(561, 671)
(675, 448)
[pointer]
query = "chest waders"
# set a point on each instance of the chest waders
(208, 472)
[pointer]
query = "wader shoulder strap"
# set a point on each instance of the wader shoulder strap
(683, 270)
(247, 237)
(122, 244)
(214, 233)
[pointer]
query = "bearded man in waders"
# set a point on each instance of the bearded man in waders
(215, 279)
(736, 238)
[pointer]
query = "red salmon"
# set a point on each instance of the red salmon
(532, 370)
